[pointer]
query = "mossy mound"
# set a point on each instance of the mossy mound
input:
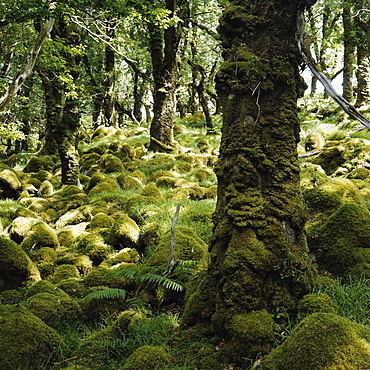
(342, 243)
(148, 358)
(43, 255)
(315, 302)
(74, 217)
(110, 163)
(46, 189)
(40, 235)
(19, 228)
(124, 233)
(323, 341)
(128, 255)
(100, 221)
(82, 262)
(10, 185)
(312, 175)
(25, 341)
(49, 306)
(63, 272)
(128, 182)
(73, 287)
(35, 164)
(106, 186)
(189, 246)
(16, 268)
(37, 205)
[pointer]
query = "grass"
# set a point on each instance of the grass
(351, 298)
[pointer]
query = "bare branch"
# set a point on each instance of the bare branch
(28, 67)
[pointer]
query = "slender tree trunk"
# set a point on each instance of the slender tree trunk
(349, 39)
(165, 49)
(258, 253)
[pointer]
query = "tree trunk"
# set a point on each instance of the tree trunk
(349, 39)
(164, 49)
(258, 253)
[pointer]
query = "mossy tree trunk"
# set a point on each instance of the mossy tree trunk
(165, 49)
(258, 254)
(62, 104)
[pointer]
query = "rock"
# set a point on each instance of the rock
(20, 227)
(25, 341)
(10, 185)
(40, 235)
(124, 233)
(16, 268)
(322, 341)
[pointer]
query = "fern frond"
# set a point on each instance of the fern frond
(162, 281)
(111, 293)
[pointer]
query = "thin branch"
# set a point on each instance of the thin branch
(210, 32)
(171, 258)
(28, 67)
(309, 60)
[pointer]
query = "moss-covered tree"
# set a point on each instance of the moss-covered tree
(258, 254)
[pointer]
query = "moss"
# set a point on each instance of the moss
(82, 262)
(313, 141)
(322, 341)
(73, 287)
(40, 235)
(49, 306)
(46, 189)
(125, 152)
(35, 164)
(25, 341)
(106, 186)
(188, 247)
(19, 228)
(128, 182)
(125, 255)
(361, 173)
(44, 255)
(74, 217)
(96, 277)
(316, 302)
(44, 286)
(342, 242)
(124, 233)
(64, 272)
(152, 191)
(16, 268)
(148, 358)
(312, 175)
(12, 296)
(10, 185)
(101, 220)
(37, 205)
(43, 175)
(110, 163)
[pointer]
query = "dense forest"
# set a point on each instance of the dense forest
(184, 184)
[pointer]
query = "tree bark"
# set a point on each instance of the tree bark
(28, 67)
(164, 49)
(349, 42)
(258, 253)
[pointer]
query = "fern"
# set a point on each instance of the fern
(162, 281)
(107, 294)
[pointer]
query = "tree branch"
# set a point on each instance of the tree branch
(171, 258)
(309, 60)
(28, 67)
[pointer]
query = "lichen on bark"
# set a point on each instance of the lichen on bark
(258, 253)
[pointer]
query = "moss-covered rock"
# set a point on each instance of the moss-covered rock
(35, 164)
(10, 185)
(43, 255)
(63, 272)
(148, 358)
(128, 182)
(124, 233)
(46, 189)
(74, 217)
(109, 184)
(25, 341)
(19, 228)
(100, 221)
(323, 341)
(128, 255)
(189, 246)
(315, 302)
(342, 243)
(16, 268)
(40, 235)
(110, 163)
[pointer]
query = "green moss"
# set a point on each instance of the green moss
(82, 262)
(16, 268)
(44, 286)
(46, 189)
(40, 235)
(43, 255)
(10, 185)
(12, 296)
(25, 341)
(322, 341)
(74, 217)
(128, 182)
(148, 358)
(20, 227)
(106, 186)
(64, 272)
(125, 255)
(361, 173)
(315, 302)
(101, 220)
(124, 233)
(342, 242)
(35, 164)
(73, 287)
(110, 163)
(188, 247)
